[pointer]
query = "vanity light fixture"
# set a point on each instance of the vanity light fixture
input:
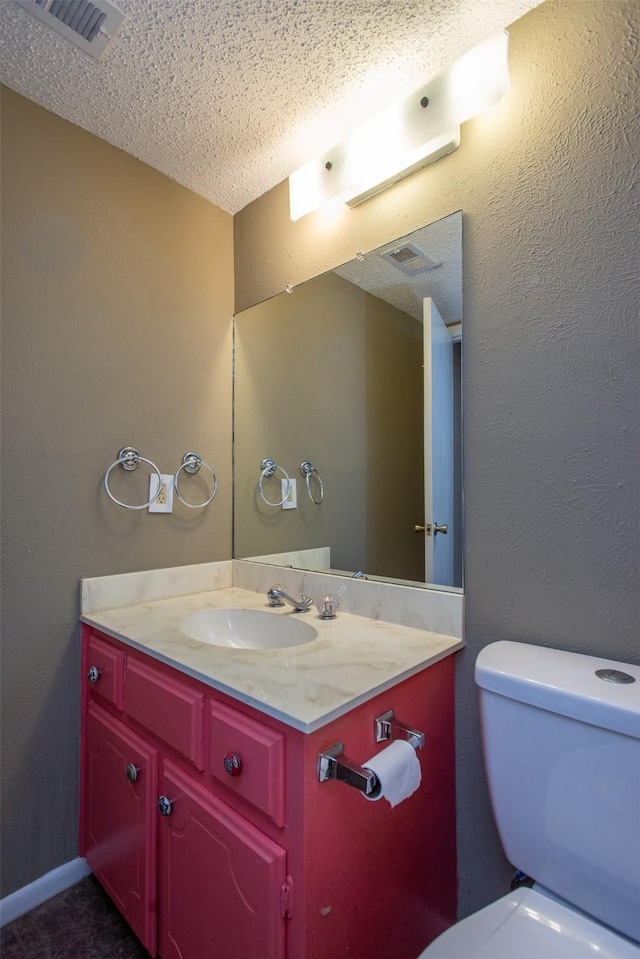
(407, 136)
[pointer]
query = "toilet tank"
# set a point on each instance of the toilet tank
(562, 753)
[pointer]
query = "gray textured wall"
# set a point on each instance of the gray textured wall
(548, 185)
(117, 298)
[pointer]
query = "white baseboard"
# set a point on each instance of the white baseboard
(25, 899)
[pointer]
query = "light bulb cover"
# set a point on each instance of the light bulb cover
(407, 135)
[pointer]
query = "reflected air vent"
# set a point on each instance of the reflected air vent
(91, 26)
(410, 259)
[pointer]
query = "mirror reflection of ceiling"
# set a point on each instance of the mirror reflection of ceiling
(406, 282)
(228, 98)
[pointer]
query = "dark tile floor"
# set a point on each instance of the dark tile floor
(79, 923)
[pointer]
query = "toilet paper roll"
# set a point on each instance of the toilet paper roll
(398, 770)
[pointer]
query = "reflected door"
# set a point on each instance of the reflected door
(438, 447)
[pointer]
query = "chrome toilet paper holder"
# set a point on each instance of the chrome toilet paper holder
(386, 726)
(333, 764)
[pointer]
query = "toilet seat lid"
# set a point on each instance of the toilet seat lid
(529, 925)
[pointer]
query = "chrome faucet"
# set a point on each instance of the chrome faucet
(277, 597)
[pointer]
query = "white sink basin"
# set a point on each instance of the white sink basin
(247, 629)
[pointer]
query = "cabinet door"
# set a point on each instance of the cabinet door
(121, 824)
(221, 879)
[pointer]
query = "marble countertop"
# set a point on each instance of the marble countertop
(351, 661)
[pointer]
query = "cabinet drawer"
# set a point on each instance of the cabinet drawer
(105, 668)
(167, 707)
(260, 751)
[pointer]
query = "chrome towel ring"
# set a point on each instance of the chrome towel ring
(191, 463)
(268, 468)
(129, 458)
(307, 470)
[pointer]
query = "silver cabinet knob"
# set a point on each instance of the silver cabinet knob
(232, 764)
(440, 529)
(164, 806)
(93, 674)
(132, 772)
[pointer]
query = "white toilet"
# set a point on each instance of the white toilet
(561, 735)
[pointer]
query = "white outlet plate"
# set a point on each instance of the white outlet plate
(164, 503)
(291, 501)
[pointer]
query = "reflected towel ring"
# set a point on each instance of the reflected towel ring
(268, 468)
(129, 459)
(307, 470)
(191, 463)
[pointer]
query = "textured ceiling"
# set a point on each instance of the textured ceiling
(227, 97)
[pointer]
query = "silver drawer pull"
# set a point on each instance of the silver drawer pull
(132, 772)
(232, 764)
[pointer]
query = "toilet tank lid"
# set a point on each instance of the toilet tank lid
(562, 682)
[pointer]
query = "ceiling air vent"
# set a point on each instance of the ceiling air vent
(410, 259)
(91, 26)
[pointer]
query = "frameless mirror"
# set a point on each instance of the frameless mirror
(351, 385)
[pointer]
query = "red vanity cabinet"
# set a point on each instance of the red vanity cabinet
(205, 822)
(194, 877)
